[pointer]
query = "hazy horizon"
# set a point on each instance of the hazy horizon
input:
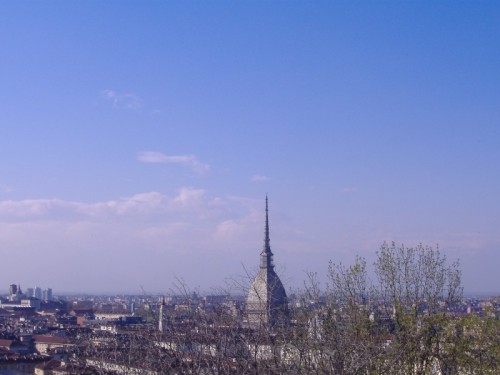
(139, 139)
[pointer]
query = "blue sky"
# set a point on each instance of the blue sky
(138, 139)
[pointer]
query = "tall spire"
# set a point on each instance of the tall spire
(267, 304)
(267, 241)
(266, 256)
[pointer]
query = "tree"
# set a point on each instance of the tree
(472, 345)
(350, 331)
(417, 287)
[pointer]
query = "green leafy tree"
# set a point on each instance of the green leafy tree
(417, 287)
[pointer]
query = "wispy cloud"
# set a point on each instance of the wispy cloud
(148, 205)
(155, 234)
(5, 189)
(260, 178)
(123, 100)
(174, 232)
(186, 160)
(34, 209)
(349, 189)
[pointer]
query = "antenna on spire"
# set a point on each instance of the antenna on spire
(266, 256)
(266, 239)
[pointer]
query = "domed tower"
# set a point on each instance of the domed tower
(267, 303)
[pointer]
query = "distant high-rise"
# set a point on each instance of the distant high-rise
(30, 292)
(12, 292)
(267, 303)
(161, 317)
(38, 292)
(15, 292)
(12, 289)
(47, 294)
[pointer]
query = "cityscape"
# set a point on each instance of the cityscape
(249, 187)
(262, 331)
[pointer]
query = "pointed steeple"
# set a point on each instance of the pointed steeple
(266, 256)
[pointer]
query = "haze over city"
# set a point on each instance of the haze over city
(139, 139)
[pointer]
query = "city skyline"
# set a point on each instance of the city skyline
(138, 141)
